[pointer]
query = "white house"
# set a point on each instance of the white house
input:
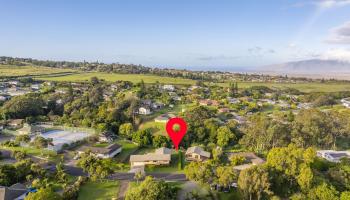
(35, 86)
(13, 82)
(145, 111)
(102, 152)
(169, 87)
(346, 102)
(161, 156)
(333, 156)
(3, 98)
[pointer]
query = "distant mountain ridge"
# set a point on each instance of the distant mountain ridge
(313, 66)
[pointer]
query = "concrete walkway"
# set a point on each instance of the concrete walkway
(124, 185)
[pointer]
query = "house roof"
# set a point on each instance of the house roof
(163, 150)
(100, 150)
(335, 154)
(338, 155)
(164, 117)
(10, 193)
(150, 157)
(198, 150)
(30, 128)
(16, 121)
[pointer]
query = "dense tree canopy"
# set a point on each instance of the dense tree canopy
(151, 189)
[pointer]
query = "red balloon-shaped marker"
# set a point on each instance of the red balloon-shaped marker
(176, 136)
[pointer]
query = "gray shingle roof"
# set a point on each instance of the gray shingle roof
(198, 150)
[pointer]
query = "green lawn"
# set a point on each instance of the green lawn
(158, 128)
(128, 148)
(112, 77)
(229, 195)
(172, 168)
(99, 190)
(103, 144)
(135, 78)
(303, 87)
(51, 155)
(57, 74)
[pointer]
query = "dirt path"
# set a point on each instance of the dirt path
(122, 189)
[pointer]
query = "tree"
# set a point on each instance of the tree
(290, 168)
(262, 133)
(345, 195)
(224, 135)
(200, 172)
(197, 115)
(225, 175)
(305, 178)
(44, 194)
(138, 176)
(8, 175)
(160, 141)
(323, 192)
(142, 137)
(41, 142)
(23, 106)
(22, 138)
(254, 183)
(151, 189)
(61, 176)
(96, 167)
(94, 80)
(217, 154)
(19, 155)
(312, 127)
(126, 130)
(340, 175)
(237, 160)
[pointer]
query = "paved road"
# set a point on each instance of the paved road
(77, 171)
(163, 176)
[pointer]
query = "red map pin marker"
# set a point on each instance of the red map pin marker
(176, 136)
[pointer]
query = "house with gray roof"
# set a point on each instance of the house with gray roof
(196, 154)
(30, 129)
(161, 156)
(102, 152)
(333, 156)
(15, 192)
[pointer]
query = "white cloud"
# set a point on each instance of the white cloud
(322, 4)
(340, 34)
(292, 45)
(337, 54)
(217, 57)
(332, 3)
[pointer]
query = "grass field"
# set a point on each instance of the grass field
(128, 148)
(11, 70)
(172, 168)
(135, 78)
(303, 87)
(99, 190)
(55, 74)
(51, 155)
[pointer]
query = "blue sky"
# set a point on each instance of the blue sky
(176, 33)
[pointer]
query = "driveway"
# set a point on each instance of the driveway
(124, 185)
